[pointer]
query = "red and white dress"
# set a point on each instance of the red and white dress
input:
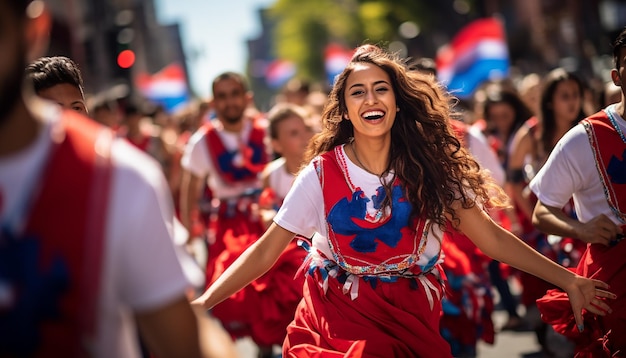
(373, 284)
(232, 162)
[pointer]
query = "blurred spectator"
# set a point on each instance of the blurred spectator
(280, 289)
(138, 128)
(106, 112)
(611, 94)
(295, 91)
(560, 109)
(79, 209)
(504, 113)
(228, 153)
(58, 79)
(529, 90)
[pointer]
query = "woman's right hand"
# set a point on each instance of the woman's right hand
(588, 294)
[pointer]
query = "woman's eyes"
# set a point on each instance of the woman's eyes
(379, 89)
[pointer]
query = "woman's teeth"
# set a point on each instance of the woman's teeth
(373, 115)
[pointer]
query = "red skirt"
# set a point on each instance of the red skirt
(263, 309)
(278, 293)
(387, 319)
(602, 336)
(233, 236)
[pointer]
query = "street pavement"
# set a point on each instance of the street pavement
(507, 344)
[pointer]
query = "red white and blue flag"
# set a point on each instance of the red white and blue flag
(167, 87)
(279, 72)
(477, 53)
(336, 58)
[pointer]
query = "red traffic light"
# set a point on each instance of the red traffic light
(126, 59)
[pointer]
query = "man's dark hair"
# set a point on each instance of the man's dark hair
(231, 76)
(618, 44)
(47, 72)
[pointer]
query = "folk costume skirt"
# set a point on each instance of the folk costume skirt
(602, 336)
(386, 319)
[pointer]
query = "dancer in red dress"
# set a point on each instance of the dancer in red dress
(386, 176)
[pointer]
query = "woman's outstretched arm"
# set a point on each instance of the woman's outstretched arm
(501, 245)
(254, 262)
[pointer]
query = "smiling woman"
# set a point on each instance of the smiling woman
(377, 214)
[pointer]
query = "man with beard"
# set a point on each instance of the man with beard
(78, 210)
(230, 153)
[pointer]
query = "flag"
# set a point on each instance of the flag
(336, 58)
(278, 72)
(476, 54)
(167, 87)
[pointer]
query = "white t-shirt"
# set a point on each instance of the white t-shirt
(197, 160)
(570, 172)
(140, 270)
(484, 154)
(303, 212)
(279, 179)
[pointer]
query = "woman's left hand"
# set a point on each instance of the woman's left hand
(589, 294)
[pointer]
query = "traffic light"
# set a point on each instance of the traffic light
(126, 59)
(125, 54)
(120, 38)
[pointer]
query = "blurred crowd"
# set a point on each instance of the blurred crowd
(227, 166)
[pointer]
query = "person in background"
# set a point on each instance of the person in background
(561, 107)
(143, 133)
(384, 178)
(468, 304)
(105, 112)
(59, 80)
(505, 113)
(229, 153)
(529, 90)
(587, 165)
(280, 289)
(611, 94)
(79, 210)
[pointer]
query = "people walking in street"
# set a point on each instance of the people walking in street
(229, 153)
(560, 108)
(280, 289)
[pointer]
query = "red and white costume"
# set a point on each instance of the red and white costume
(279, 290)
(232, 162)
(85, 216)
(587, 164)
(373, 285)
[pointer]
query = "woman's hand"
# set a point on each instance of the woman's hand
(588, 294)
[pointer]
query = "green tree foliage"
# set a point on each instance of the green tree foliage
(305, 27)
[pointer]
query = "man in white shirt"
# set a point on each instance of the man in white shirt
(86, 250)
(588, 164)
(229, 153)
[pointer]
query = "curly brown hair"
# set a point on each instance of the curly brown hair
(436, 171)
